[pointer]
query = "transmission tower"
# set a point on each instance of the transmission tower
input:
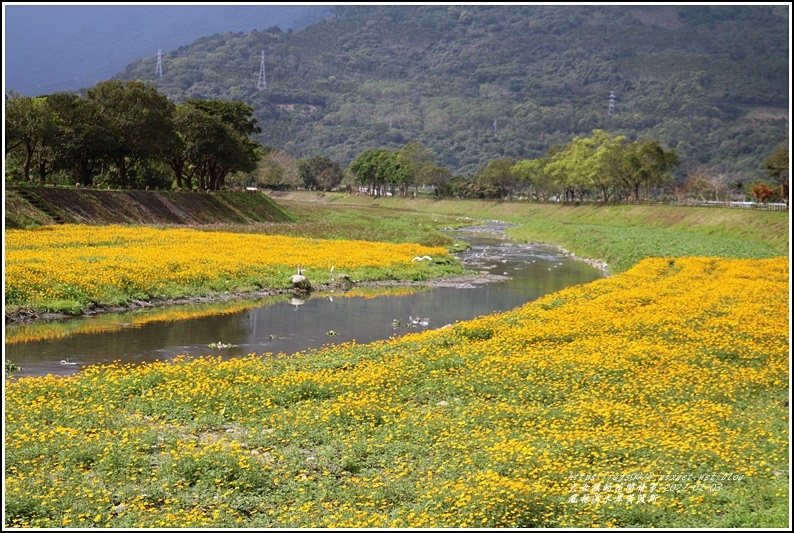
(261, 84)
(159, 64)
(611, 103)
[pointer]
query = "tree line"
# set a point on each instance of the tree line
(129, 135)
(603, 168)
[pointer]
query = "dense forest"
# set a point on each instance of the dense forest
(479, 83)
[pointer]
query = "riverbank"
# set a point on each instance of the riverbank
(73, 268)
(617, 235)
(27, 316)
(500, 228)
(294, 322)
(495, 229)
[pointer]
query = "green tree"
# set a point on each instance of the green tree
(29, 126)
(81, 137)
(237, 115)
(654, 165)
(211, 141)
(186, 122)
(777, 166)
(370, 169)
(534, 175)
(138, 120)
(641, 163)
(396, 172)
(419, 164)
(497, 176)
(438, 178)
(320, 172)
(586, 163)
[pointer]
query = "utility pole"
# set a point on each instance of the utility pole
(494, 128)
(261, 84)
(159, 64)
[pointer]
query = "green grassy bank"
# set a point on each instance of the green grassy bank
(620, 235)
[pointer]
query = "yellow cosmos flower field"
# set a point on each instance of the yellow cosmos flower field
(113, 264)
(657, 397)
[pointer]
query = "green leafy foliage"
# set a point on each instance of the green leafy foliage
(128, 134)
(320, 172)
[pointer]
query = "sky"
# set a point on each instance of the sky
(52, 47)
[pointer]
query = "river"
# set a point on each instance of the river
(518, 273)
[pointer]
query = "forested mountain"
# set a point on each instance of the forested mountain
(479, 83)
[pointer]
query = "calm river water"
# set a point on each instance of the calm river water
(292, 325)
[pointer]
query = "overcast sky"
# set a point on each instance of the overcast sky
(62, 47)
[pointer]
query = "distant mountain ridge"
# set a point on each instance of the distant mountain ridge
(477, 83)
(52, 48)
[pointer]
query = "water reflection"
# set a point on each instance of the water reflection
(291, 324)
